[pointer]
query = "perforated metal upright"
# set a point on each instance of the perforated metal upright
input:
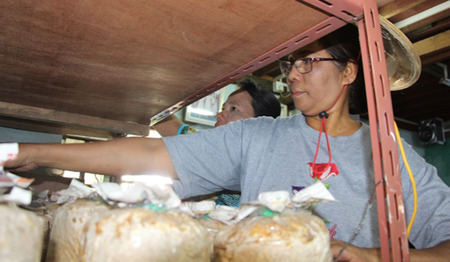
(384, 146)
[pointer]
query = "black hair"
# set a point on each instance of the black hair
(344, 44)
(264, 103)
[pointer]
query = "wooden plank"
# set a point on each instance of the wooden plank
(429, 21)
(433, 58)
(398, 7)
(437, 28)
(56, 128)
(433, 44)
(421, 7)
(64, 118)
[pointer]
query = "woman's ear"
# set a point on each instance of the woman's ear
(350, 73)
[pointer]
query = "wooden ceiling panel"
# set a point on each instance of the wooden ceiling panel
(110, 66)
(129, 60)
(406, 9)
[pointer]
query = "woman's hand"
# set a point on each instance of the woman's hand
(21, 162)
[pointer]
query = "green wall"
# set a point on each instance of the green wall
(437, 155)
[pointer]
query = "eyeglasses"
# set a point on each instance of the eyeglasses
(303, 65)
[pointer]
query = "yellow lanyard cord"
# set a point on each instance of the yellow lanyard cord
(411, 177)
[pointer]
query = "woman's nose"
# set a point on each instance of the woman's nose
(220, 118)
(292, 77)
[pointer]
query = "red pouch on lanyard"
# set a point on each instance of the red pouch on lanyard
(322, 171)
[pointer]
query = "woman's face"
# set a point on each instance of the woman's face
(237, 107)
(317, 90)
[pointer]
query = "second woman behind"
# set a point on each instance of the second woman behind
(249, 100)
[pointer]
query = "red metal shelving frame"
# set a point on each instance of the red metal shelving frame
(384, 145)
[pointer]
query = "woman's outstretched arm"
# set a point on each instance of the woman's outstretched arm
(115, 157)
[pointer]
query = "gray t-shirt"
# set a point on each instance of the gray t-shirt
(266, 154)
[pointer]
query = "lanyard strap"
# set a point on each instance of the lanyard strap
(323, 115)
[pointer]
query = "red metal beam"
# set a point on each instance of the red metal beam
(393, 237)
